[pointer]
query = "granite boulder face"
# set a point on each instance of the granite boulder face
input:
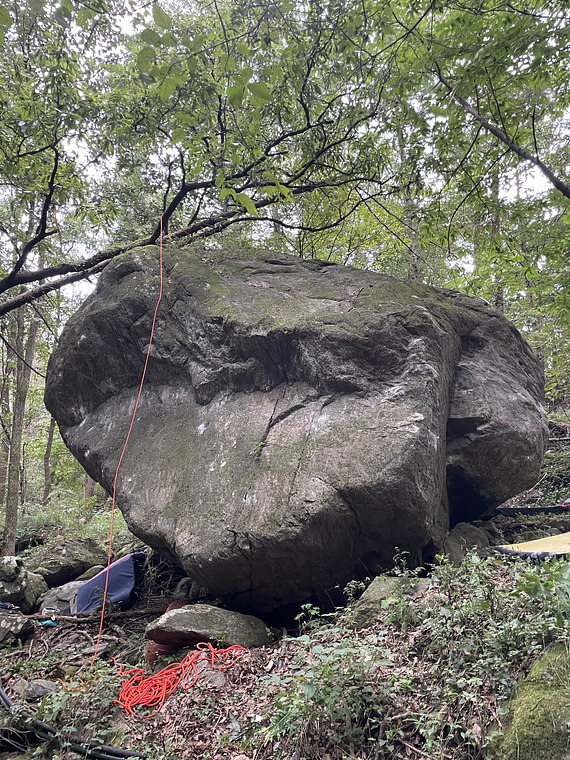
(298, 421)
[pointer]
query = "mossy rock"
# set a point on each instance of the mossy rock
(192, 624)
(61, 562)
(538, 725)
(382, 589)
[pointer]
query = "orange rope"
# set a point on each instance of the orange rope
(136, 690)
(123, 453)
(153, 691)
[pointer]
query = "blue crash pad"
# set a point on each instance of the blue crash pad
(119, 589)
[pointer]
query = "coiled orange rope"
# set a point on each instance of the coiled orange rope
(152, 692)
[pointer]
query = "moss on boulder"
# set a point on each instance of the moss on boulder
(538, 725)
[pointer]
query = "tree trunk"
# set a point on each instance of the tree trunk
(23, 478)
(47, 465)
(409, 218)
(8, 367)
(25, 355)
(89, 487)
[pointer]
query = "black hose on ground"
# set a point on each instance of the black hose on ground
(47, 733)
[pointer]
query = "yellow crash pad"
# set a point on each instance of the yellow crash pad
(540, 547)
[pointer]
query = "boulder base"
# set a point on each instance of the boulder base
(298, 421)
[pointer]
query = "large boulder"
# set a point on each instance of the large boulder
(298, 420)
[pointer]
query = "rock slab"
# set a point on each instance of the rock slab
(195, 623)
(298, 421)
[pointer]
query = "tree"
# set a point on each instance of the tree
(238, 107)
(227, 113)
(381, 134)
(24, 352)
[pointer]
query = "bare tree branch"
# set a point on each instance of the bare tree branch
(41, 232)
(500, 135)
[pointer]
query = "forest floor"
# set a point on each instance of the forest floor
(428, 678)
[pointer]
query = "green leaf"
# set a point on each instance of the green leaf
(229, 64)
(166, 88)
(84, 16)
(235, 95)
(248, 204)
(197, 42)
(179, 135)
(169, 40)
(151, 37)
(62, 17)
(5, 17)
(225, 191)
(161, 18)
(146, 78)
(309, 689)
(243, 76)
(145, 59)
(260, 91)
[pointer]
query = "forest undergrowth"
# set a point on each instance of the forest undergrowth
(430, 677)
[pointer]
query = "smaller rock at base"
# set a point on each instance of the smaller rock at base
(14, 627)
(91, 573)
(64, 598)
(195, 623)
(64, 562)
(214, 678)
(193, 591)
(152, 651)
(9, 568)
(536, 727)
(38, 688)
(382, 588)
(35, 588)
(462, 539)
(18, 586)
